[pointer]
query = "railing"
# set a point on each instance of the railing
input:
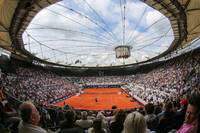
(54, 101)
(136, 98)
(13, 100)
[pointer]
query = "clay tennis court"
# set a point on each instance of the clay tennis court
(107, 97)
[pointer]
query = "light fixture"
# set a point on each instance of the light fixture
(123, 51)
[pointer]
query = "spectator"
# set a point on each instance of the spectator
(151, 119)
(60, 115)
(117, 126)
(135, 123)
(180, 114)
(84, 122)
(91, 115)
(8, 116)
(30, 119)
(190, 124)
(68, 125)
(167, 120)
(101, 116)
(97, 127)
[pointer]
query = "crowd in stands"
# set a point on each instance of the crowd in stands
(40, 119)
(170, 81)
(171, 92)
(106, 80)
(176, 78)
(38, 85)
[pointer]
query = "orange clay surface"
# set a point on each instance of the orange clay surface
(107, 97)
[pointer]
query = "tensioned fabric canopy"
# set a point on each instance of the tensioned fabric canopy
(15, 15)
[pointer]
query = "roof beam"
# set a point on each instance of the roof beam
(183, 16)
(187, 3)
(3, 26)
(4, 41)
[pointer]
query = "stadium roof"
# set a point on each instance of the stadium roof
(16, 15)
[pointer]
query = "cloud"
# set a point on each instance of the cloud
(158, 22)
(135, 10)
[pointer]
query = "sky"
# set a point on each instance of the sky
(88, 31)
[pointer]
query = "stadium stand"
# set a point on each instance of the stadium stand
(166, 87)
